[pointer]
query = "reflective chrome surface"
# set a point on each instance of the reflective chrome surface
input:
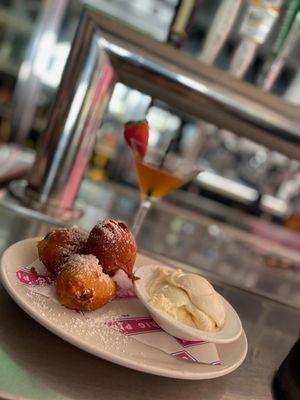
(200, 90)
(69, 138)
(13, 199)
(158, 70)
(35, 364)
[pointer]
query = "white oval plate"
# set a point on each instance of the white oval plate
(231, 331)
(110, 346)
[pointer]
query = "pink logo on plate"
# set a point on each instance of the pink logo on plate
(183, 354)
(31, 279)
(135, 326)
(189, 343)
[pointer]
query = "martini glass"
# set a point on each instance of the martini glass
(159, 172)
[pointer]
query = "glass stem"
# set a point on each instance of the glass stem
(140, 216)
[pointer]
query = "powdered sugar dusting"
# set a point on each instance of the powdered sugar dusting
(81, 264)
(74, 234)
(114, 235)
(90, 327)
(73, 241)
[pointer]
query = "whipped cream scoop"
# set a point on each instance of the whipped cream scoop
(188, 298)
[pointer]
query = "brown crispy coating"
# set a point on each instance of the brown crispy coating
(114, 245)
(82, 285)
(60, 244)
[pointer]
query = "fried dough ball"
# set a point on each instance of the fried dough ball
(60, 244)
(114, 245)
(82, 285)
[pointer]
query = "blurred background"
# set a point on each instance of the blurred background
(257, 41)
(244, 185)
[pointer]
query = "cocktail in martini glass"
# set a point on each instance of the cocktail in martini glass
(159, 171)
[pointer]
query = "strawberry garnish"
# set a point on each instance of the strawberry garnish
(136, 134)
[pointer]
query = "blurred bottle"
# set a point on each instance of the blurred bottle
(219, 31)
(285, 41)
(182, 21)
(105, 150)
(256, 26)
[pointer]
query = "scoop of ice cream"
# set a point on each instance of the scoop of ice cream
(188, 298)
(203, 296)
(173, 301)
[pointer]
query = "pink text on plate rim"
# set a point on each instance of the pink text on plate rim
(135, 326)
(30, 279)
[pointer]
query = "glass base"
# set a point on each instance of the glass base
(16, 199)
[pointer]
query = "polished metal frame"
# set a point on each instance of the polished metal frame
(104, 52)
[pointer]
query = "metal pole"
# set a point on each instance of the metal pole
(68, 141)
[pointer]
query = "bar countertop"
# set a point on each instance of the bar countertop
(36, 364)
